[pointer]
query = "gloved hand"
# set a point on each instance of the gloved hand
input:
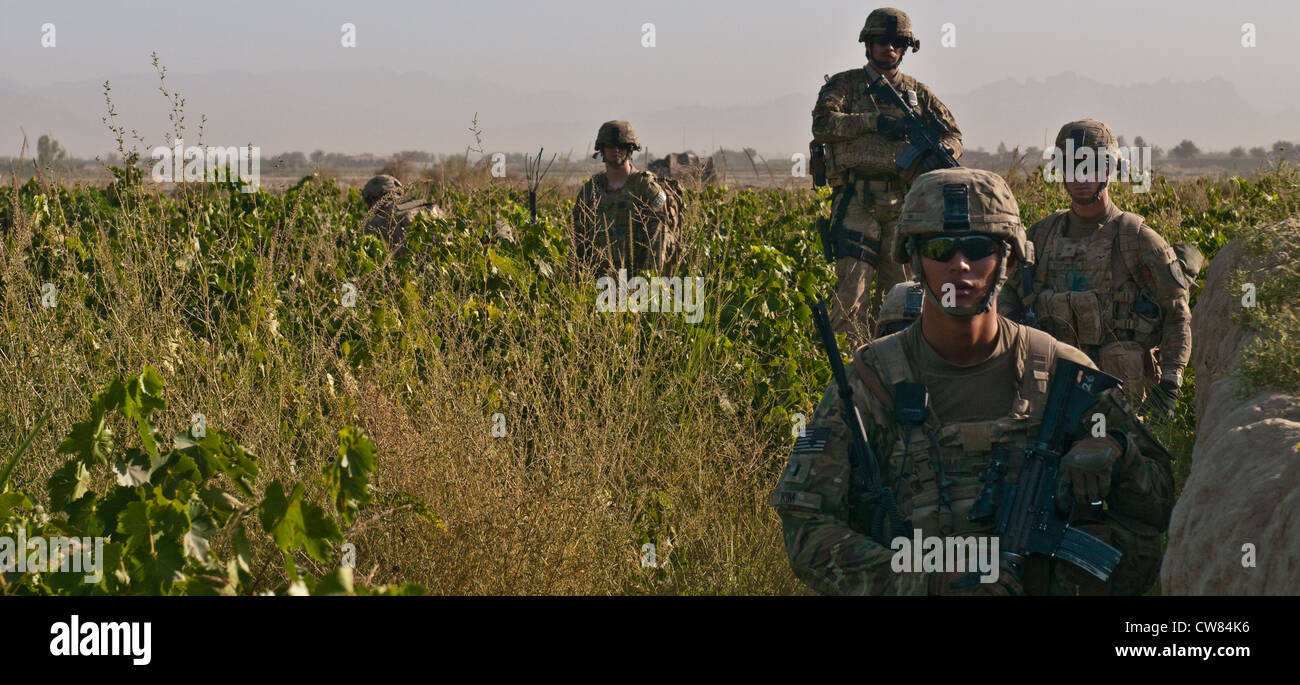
(926, 162)
(1160, 403)
(1086, 470)
(891, 127)
(968, 584)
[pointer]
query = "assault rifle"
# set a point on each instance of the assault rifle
(870, 500)
(923, 136)
(1027, 516)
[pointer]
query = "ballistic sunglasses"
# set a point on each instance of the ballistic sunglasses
(899, 43)
(942, 248)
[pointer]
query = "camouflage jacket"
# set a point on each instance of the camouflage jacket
(1121, 283)
(853, 145)
(391, 219)
(832, 557)
(625, 228)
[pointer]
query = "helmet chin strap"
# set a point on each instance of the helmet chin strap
(972, 310)
(886, 67)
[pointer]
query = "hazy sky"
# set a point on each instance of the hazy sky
(708, 52)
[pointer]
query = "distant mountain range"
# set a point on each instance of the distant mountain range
(384, 111)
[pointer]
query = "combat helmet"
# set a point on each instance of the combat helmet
(617, 132)
(1094, 134)
(962, 201)
(379, 186)
(901, 307)
(889, 22)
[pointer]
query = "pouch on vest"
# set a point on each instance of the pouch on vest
(911, 404)
(1087, 317)
(1057, 308)
(1146, 319)
(887, 204)
(1125, 361)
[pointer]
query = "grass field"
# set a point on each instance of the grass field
(619, 429)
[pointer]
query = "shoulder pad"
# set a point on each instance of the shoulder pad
(844, 78)
(865, 365)
(1063, 350)
(846, 74)
(1045, 222)
(1132, 222)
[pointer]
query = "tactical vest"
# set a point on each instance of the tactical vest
(937, 474)
(1094, 285)
(871, 154)
(618, 218)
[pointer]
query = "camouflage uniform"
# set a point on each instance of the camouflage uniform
(935, 466)
(1111, 287)
(392, 218)
(860, 159)
(633, 227)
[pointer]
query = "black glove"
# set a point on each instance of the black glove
(891, 126)
(1161, 401)
(929, 161)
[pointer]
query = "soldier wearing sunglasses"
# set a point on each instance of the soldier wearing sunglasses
(945, 396)
(860, 136)
(624, 218)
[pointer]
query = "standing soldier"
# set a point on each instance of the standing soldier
(861, 135)
(1107, 283)
(949, 405)
(622, 217)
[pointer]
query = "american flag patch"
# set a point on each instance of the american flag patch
(813, 440)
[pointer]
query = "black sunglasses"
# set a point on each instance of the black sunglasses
(975, 247)
(899, 43)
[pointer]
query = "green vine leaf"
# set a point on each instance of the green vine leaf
(347, 477)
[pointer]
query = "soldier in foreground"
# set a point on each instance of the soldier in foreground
(391, 217)
(950, 406)
(902, 306)
(861, 136)
(624, 218)
(1107, 283)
